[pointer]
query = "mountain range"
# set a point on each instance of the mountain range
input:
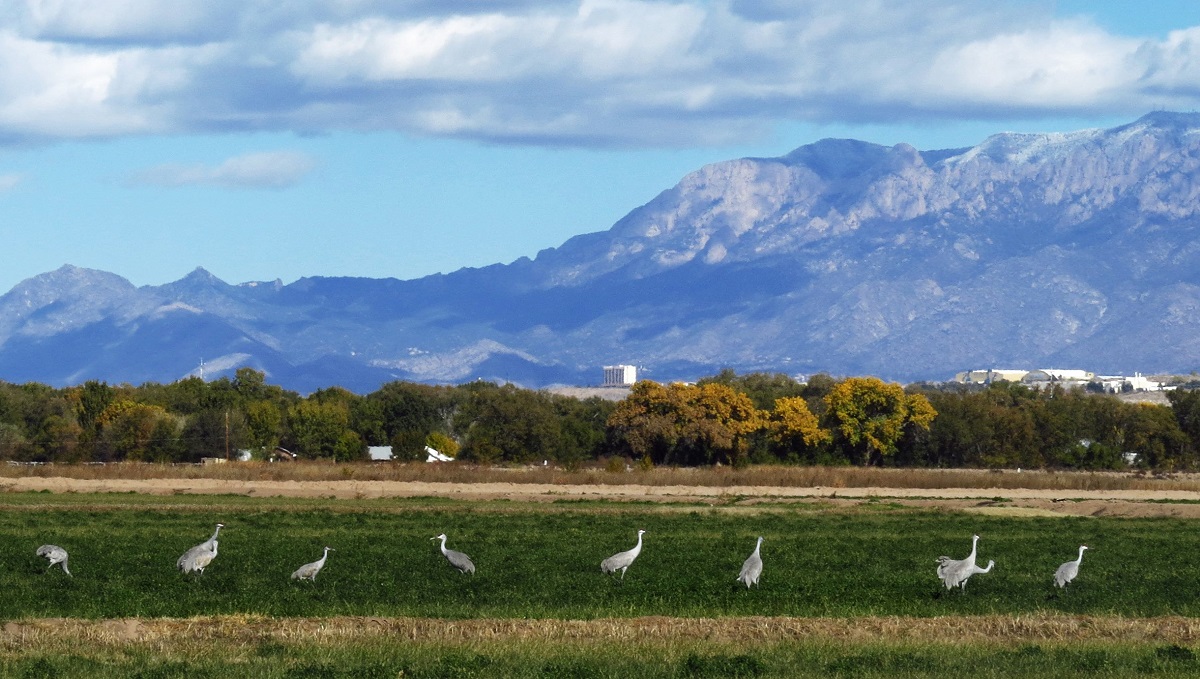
(1068, 250)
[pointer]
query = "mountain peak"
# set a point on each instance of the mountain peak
(1171, 120)
(202, 276)
(69, 277)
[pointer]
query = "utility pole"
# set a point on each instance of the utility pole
(226, 435)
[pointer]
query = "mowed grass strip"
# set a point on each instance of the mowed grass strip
(238, 630)
(541, 564)
(341, 647)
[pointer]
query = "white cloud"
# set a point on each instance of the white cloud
(118, 21)
(586, 72)
(266, 170)
(8, 182)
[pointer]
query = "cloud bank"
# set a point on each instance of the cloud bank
(267, 170)
(584, 73)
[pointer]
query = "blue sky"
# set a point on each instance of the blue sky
(265, 140)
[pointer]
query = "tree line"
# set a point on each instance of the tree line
(725, 418)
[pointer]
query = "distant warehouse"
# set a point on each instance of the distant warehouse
(619, 375)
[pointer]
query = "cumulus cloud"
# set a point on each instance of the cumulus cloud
(266, 170)
(582, 72)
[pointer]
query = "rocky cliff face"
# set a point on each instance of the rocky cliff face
(1057, 250)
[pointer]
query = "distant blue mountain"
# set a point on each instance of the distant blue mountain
(1077, 249)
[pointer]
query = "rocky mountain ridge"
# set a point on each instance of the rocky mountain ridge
(1068, 249)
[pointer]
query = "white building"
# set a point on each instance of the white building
(989, 376)
(619, 375)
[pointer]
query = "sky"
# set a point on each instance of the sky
(263, 140)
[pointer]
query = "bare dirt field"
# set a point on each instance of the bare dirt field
(1131, 502)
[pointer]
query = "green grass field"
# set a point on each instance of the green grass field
(794, 659)
(541, 561)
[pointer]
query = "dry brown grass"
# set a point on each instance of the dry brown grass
(712, 477)
(244, 630)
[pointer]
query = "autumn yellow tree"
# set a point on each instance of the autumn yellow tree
(684, 423)
(794, 431)
(867, 417)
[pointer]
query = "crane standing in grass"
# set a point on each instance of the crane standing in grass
(622, 560)
(1067, 572)
(56, 555)
(457, 559)
(753, 566)
(187, 562)
(309, 570)
(954, 572)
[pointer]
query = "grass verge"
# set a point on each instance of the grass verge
(344, 647)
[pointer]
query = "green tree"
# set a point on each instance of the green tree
(317, 428)
(406, 407)
(764, 389)
(127, 431)
(1185, 404)
(509, 424)
(349, 447)
(264, 425)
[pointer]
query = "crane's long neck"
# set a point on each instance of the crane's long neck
(989, 567)
(324, 556)
(974, 546)
(758, 546)
(215, 533)
(443, 539)
(1080, 559)
(638, 547)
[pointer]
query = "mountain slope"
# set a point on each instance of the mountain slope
(1076, 249)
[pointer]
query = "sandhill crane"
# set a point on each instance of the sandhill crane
(1067, 572)
(622, 560)
(186, 563)
(56, 555)
(203, 559)
(951, 571)
(309, 570)
(753, 566)
(457, 559)
(968, 572)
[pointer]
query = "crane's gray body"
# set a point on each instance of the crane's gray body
(1067, 572)
(955, 572)
(457, 559)
(309, 570)
(203, 559)
(622, 560)
(752, 568)
(187, 563)
(55, 555)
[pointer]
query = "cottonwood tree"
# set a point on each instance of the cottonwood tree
(685, 424)
(794, 431)
(868, 417)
